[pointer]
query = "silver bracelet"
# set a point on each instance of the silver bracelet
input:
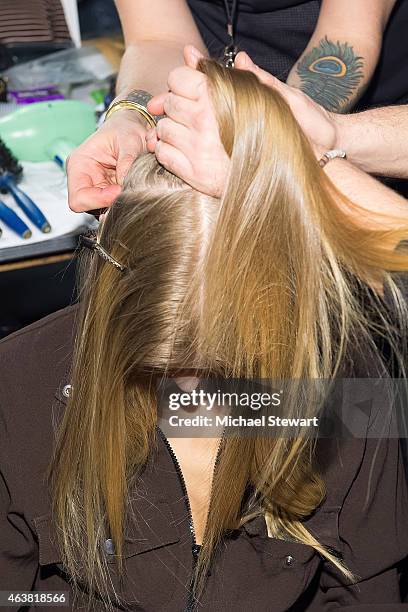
(331, 155)
(142, 97)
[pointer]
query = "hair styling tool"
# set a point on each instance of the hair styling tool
(47, 131)
(92, 243)
(10, 173)
(13, 221)
(3, 89)
(7, 107)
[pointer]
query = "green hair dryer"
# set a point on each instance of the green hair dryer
(48, 130)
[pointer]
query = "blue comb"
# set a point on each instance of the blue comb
(13, 221)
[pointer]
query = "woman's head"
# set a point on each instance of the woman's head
(260, 283)
(158, 228)
(282, 248)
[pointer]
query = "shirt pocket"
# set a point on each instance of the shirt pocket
(151, 564)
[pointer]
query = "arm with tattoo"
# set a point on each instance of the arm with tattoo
(341, 57)
(332, 74)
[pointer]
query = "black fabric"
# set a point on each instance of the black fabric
(363, 516)
(275, 33)
(389, 84)
(273, 38)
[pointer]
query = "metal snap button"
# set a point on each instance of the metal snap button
(67, 390)
(289, 561)
(109, 547)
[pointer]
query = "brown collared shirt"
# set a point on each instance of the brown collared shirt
(364, 516)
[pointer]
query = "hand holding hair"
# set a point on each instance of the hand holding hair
(95, 170)
(187, 142)
(317, 123)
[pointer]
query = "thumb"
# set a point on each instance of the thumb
(192, 56)
(244, 62)
(155, 105)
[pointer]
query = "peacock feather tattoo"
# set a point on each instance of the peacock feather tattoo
(331, 73)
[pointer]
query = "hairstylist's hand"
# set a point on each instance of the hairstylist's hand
(95, 170)
(317, 123)
(187, 140)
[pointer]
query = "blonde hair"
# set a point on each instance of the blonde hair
(259, 284)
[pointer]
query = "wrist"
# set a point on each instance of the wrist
(341, 125)
(336, 171)
(136, 100)
(318, 150)
(129, 116)
(330, 156)
(327, 138)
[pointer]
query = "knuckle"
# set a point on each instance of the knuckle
(164, 129)
(158, 150)
(176, 104)
(174, 77)
(167, 104)
(202, 121)
(172, 104)
(160, 126)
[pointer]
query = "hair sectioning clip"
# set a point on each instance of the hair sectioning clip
(93, 244)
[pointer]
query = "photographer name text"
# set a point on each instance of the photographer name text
(240, 421)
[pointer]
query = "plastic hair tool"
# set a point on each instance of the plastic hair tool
(10, 173)
(47, 130)
(13, 221)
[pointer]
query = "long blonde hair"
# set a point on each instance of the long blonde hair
(261, 283)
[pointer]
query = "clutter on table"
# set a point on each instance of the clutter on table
(48, 106)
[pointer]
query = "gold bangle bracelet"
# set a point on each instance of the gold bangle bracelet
(130, 105)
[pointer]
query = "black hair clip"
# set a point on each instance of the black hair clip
(93, 244)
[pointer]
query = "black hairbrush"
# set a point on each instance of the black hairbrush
(11, 172)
